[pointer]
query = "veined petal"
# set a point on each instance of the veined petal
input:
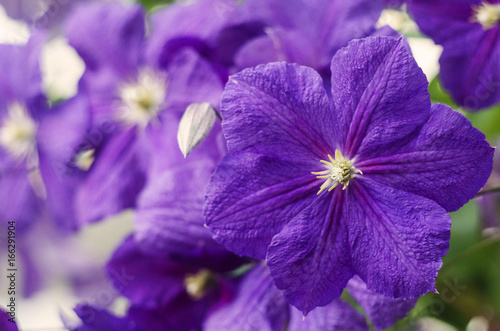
(396, 238)
(448, 164)
(146, 280)
(309, 259)
(280, 110)
(258, 305)
(192, 79)
(18, 201)
(336, 316)
(5, 323)
(244, 211)
(98, 319)
(382, 311)
(380, 95)
(327, 24)
(21, 79)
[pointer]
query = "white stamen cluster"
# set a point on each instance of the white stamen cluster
(339, 171)
(141, 100)
(85, 159)
(17, 132)
(488, 15)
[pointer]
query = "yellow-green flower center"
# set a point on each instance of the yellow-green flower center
(197, 285)
(17, 132)
(339, 171)
(488, 15)
(142, 99)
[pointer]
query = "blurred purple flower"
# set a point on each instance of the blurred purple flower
(39, 14)
(258, 305)
(305, 32)
(130, 101)
(489, 203)
(95, 319)
(170, 293)
(472, 73)
(5, 324)
(399, 166)
(169, 215)
(32, 138)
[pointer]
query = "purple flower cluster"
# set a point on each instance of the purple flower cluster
(327, 168)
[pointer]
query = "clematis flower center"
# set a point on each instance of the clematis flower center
(141, 100)
(17, 133)
(197, 285)
(339, 171)
(487, 14)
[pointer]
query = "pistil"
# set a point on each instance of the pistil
(339, 171)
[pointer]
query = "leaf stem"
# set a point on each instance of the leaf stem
(488, 190)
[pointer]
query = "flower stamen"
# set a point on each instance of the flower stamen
(140, 101)
(339, 171)
(488, 15)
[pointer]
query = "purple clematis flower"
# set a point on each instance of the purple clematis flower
(130, 100)
(489, 203)
(22, 106)
(259, 305)
(305, 32)
(472, 73)
(360, 184)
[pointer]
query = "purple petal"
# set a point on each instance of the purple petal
(169, 217)
(382, 311)
(448, 164)
(276, 121)
(146, 280)
(327, 25)
(112, 37)
(21, 79)
(397, 238)
(471, 74)
(59, 135)
(336, 316)
(259, 305)
(277, 45)
(245, 214)
(172, 31)
(17, 199)
(5, 324)
(192, 80)
(309, 259)
(94, 319)
(114, 180)
(278, 109)
(39, 13)
(380, 95)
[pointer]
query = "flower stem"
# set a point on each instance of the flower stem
(488, 190)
